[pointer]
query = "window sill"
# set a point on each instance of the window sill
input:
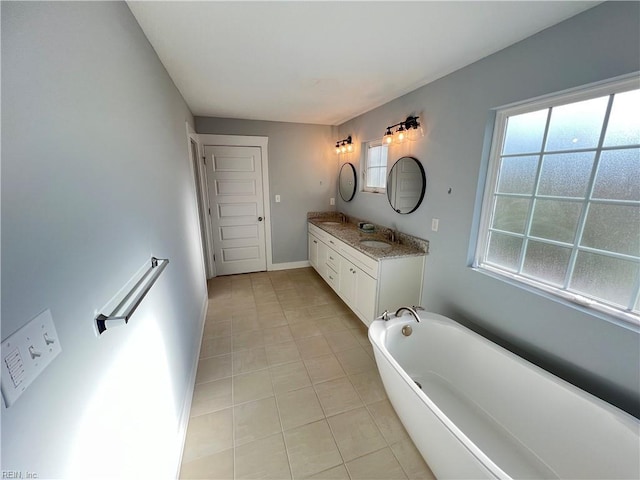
(585, 305)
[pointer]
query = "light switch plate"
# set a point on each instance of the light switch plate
(25, 355)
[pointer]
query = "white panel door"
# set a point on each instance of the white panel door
(237, 209)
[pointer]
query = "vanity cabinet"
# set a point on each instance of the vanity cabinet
(368, 286)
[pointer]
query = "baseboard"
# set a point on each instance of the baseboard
(186, 408)
(289, 265)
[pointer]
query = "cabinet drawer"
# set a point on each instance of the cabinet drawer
(333, 259)
(359, 259)
(318, 232)
(332, 277)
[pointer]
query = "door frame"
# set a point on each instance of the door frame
(246, 141)
(199, 173)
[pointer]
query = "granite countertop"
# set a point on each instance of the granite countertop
(349, 233)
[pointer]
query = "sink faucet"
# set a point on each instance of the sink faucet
(342, 217)
(391, 235)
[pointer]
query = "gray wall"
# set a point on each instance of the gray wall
(96, 179)
(601, 43)
(302, 170)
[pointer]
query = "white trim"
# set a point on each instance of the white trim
(207, 248)
(490, 183)
(575, 301)
(290, 265)
(183, 422)
(262, 143)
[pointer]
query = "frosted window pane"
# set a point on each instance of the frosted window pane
(377, 156)
(565, 174)
(618, 175)
(517, 174)
(376, 177)
(615, 228)
(577, 125)
(504, 250)
(546, 262)
(603, 277)
(524, 132)
(624, 121)
(555, 220)
(510, 214)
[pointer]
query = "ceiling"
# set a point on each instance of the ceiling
(327, 62)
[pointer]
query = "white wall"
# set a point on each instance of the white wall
(95, 179)
(601, 43)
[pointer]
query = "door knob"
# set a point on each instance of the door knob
(259, 219)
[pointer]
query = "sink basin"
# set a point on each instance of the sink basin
(375, 244)
(331, 223)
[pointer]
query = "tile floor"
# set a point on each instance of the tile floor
(287, 387)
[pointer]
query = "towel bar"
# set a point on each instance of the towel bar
(137, 293)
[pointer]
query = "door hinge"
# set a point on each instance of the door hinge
(204, 159)
(209, 212)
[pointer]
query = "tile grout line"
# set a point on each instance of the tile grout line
(330, 304)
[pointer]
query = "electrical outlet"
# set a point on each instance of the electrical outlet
(332, 201)
(435, 223)
(26, 354)
(277, 198)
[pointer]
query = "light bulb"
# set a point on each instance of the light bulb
(388, 137)
(349, 147)
(337, 149)
(401, 135)
(343, 148)
(415, 133)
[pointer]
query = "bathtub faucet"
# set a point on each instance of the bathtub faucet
(411, 310)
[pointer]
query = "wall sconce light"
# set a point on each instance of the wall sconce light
(344, 146)
(410, 129)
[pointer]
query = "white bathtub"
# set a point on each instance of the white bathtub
(484, 412)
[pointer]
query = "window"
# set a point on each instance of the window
(562, 202)
(375, 167)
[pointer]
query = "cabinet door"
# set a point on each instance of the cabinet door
(347, 289)
(313, 251)
(365, 296)
(322, 259)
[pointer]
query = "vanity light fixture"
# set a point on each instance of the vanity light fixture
(344, 146)
(410, 129)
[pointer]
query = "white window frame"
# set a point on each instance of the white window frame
(624, 84)
(365, 166)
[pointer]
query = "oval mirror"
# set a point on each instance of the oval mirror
(347, 182)
(406, 185)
